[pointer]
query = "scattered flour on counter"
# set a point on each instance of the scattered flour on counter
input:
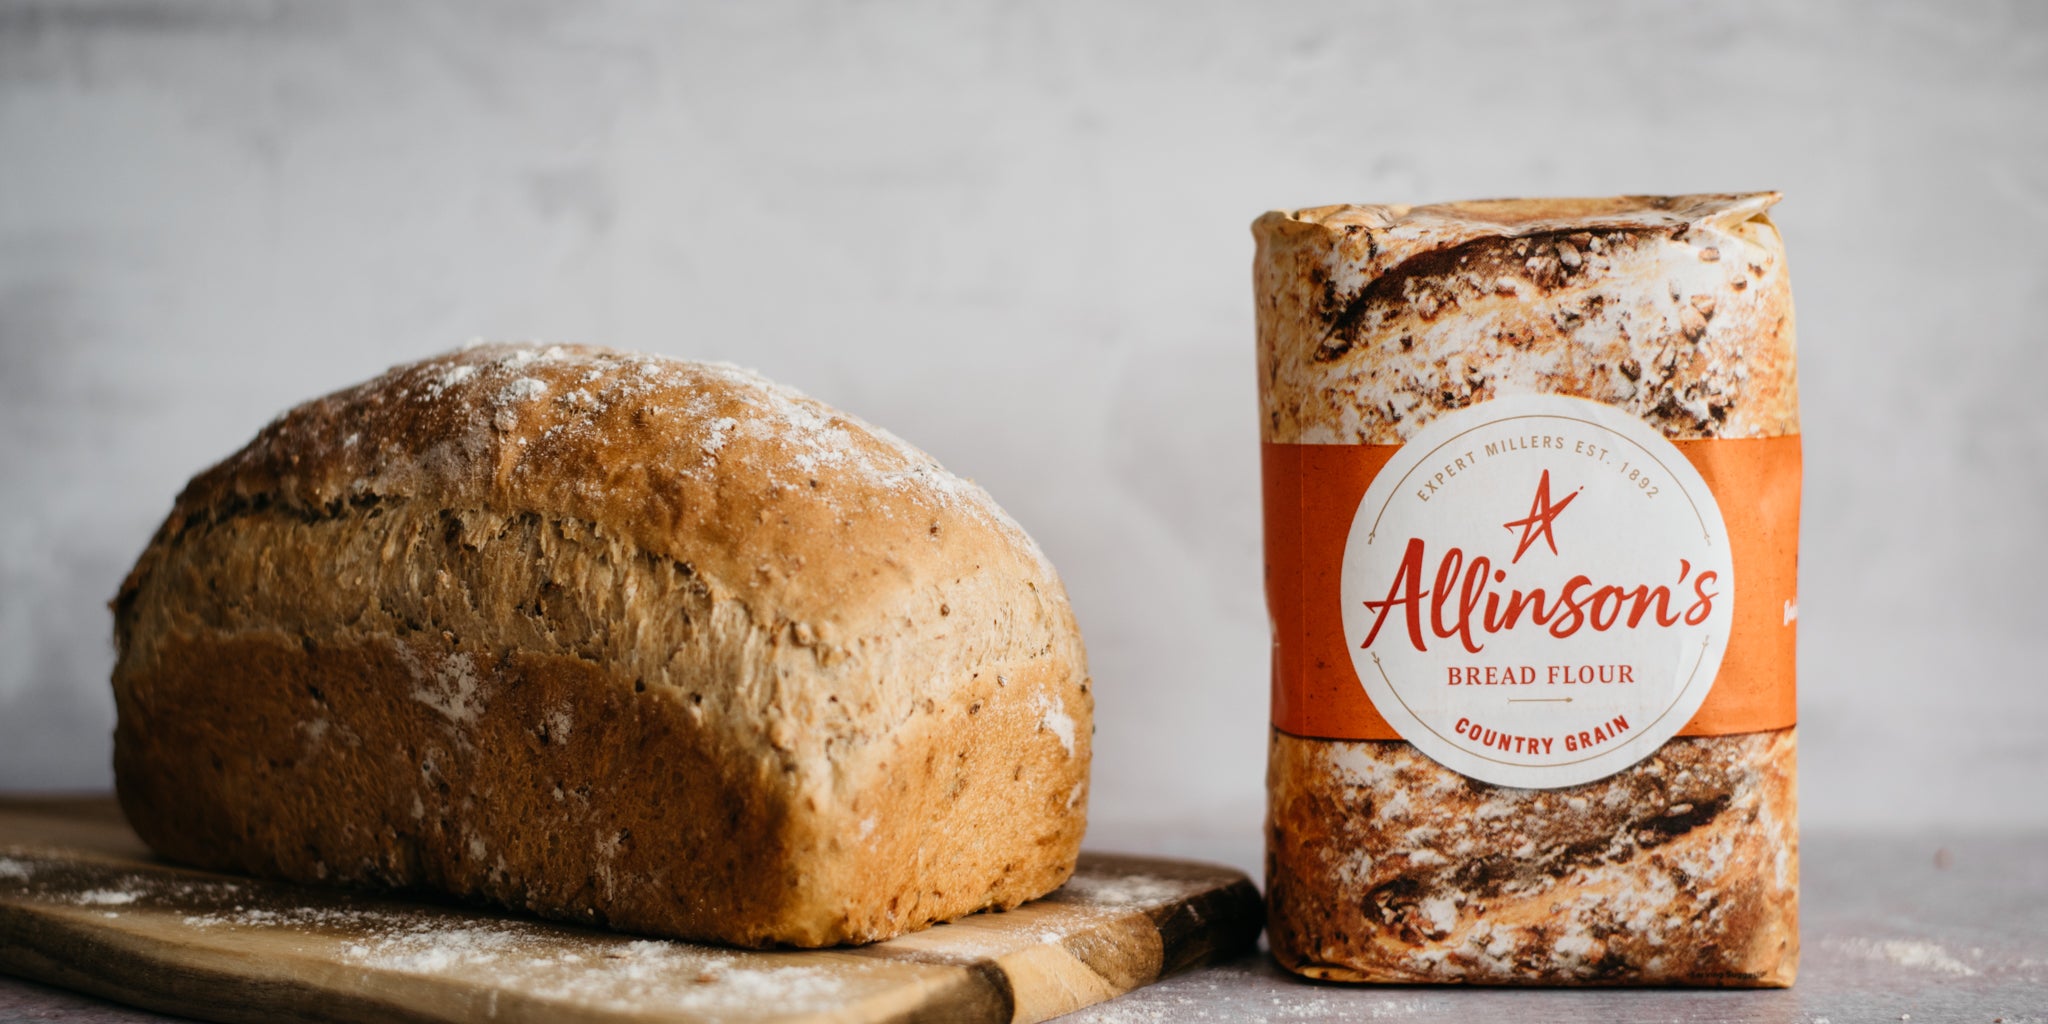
(1924, 956)
(531, 960)
(244, 916)
(783, 986)
(948, 941)
(106, 897)
(57, 878)
(612, 974)
(435, 950)
(1124, 890)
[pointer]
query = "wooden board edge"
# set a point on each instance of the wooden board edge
(90, 962)
(1111, 958)
(1212, 926)
(47, 947)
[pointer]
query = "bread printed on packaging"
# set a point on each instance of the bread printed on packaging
(1531, 499)
(611, 638)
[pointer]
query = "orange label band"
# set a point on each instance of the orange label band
(1312, 493)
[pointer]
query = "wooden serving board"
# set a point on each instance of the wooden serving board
(84, 905)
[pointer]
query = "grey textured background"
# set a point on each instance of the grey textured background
(1016, 235)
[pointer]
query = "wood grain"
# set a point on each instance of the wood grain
(84, 906)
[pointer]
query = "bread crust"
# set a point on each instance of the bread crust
(634, 641)
(1385, 866)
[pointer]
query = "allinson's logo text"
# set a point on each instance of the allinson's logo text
(1537, 590)
(1468, 595)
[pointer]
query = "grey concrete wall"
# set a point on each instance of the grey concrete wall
(1016, 235)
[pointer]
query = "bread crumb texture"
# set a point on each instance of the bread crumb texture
(611, 638)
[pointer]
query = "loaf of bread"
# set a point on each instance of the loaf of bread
(649, 644)
(1383, 864)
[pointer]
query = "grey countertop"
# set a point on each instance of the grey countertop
(1895, 928)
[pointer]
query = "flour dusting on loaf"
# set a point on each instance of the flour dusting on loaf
(610, 637)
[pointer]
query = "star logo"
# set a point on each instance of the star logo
(1541, 514)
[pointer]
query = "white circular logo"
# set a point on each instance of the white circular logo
(1537, 591)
